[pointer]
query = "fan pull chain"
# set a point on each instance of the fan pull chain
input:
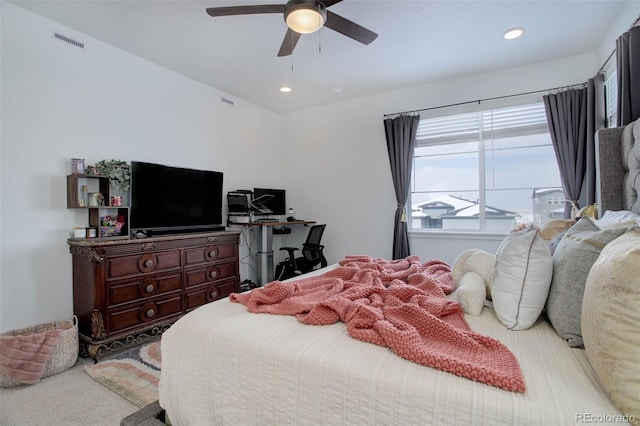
(292, 52)
(320, 35)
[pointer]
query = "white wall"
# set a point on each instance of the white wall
(60, 102)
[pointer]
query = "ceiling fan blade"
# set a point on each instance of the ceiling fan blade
(289, 43)
(329, 3)
(349, 28)
(245, 10)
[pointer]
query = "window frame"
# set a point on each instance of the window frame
(463, 108)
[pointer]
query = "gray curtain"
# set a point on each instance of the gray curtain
(401, 141)
(628, 71)
(567, 119)
(595, 121)
(574, 116)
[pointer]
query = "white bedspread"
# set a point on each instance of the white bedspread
(223, 365)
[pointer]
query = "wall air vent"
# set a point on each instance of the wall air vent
(227, 101)
(68, 40)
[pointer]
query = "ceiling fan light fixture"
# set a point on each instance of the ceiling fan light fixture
(305, 16)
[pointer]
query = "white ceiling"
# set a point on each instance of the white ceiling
(419, 42)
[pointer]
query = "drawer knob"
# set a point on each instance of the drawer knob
(211, 253)
(148, 312)
(213, 293)
(147, 287)
(213, 274)
(147, 262)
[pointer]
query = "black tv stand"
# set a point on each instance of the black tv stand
(145, 233)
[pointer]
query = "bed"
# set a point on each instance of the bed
(224, 365)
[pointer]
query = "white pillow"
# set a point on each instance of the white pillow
(523, 275)
(611, 321)
(611, 217)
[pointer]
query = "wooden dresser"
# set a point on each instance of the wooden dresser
(128, 291)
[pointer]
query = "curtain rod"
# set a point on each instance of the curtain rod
(613, 52)
(607, 61)
(573, 86)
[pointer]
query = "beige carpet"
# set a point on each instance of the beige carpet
(134, 375)
(70, 398)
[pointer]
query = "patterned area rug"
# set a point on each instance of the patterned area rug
(134, 374)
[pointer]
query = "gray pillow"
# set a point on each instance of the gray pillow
(572, 261)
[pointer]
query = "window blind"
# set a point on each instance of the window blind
(611, 99)
(494, 123)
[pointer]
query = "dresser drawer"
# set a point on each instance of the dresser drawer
(124, 289)
(197, 276)
(210, 253)
(209, 293)
(142, 263)
(138, 314)
(143, 288)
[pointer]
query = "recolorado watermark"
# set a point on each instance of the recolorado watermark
(604, 418)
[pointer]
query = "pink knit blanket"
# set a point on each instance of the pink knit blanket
(24, 358)
(398, 304)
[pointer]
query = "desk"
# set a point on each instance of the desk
(265, 254)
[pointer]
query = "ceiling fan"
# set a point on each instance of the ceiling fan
(302, 17)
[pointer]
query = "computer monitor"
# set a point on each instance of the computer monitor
(273, 199)
(238, 202)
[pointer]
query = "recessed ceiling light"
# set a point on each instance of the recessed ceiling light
(285, 89)
(513, 33)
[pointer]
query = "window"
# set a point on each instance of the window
(611, 100)
(485, 170)
(555, 200)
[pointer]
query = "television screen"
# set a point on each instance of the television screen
(174, 199)
(272, 199)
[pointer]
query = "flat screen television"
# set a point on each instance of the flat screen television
(273, 199)
(166, 199)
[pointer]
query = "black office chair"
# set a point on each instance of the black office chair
(312, 256)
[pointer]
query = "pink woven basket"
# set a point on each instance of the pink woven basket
(64, 354)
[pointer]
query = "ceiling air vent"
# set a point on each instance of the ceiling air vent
(68, 40)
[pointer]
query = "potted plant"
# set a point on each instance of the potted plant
(119, 173)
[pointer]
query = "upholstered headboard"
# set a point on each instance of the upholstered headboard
(618, 168)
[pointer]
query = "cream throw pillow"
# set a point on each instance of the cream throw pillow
(611, 322)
